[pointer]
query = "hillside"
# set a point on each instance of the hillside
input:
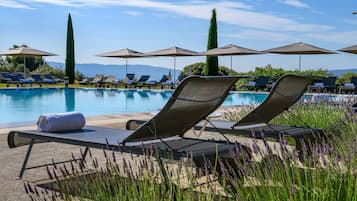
(90, 70)
(343, 71)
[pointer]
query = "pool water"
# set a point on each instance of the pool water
(23, 105)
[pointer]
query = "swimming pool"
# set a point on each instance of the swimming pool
(24, 105)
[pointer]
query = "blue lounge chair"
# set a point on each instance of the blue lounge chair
(49, 79)
(22, 79)
(129, 79)
(259, 84)
(5, 77)
(142, 80)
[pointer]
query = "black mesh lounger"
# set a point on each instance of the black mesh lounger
(194, 99)
(286, 92)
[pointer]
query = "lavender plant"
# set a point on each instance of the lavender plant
(327, 171)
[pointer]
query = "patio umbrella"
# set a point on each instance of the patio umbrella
(123, 53)
(351, 49)
(299, 48)
(230, 50)
(173, 52)
(25, 51)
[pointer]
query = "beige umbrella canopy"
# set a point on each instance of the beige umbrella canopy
(173, 52)
(351, 49)
(299, 48)
(25, 52)
(123, 53)
(230, 50)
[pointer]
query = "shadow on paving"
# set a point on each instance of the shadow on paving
(117, 186)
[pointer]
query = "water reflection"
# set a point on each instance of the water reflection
(112, 93)
(99, 93)
(144, 94)
(165, 94)
(70, 97)
(129, 94)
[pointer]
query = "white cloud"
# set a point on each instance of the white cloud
(262, 35)
(235, 13)
(295, 3)
(133, 13)
(346, 37)
(13, 4)
(350, 21)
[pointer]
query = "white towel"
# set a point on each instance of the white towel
(68, 121)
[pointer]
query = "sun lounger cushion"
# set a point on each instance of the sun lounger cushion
(61, 122)
(318, 84)
(351, 85)
(251, 83)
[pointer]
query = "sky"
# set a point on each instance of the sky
(147, 25)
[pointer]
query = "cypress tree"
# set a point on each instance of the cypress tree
(70, 62)
(211, 67)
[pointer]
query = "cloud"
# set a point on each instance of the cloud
(235, 13)
(346, 37)
(14, 4)
(133, 13)
(350, 21)
(261, 35)
(295, 3)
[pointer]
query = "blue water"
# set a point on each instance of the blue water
(23, 105)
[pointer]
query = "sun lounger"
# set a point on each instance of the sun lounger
(84, 81)
(142, 80)
(286, 92)
(259, 84)
(111, 80)
(50, 79)
(22, 79)
(349, 87)
(5, 77)
(98, 79)
(193, 100)
(152, 83)
(327, 84)
(37, 78)
(129, 79)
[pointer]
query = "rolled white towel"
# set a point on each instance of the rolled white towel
(68, 121)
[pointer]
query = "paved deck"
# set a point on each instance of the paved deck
(12, 188)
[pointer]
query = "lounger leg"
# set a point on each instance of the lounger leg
(85, 154)
(27, 156)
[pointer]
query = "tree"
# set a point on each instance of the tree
(70, 61)
(197, 69)
(211, 67)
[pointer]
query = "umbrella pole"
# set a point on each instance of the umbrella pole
(230, 73)
(24, 65)
(299, 62)
(126, 66)
(174, 68)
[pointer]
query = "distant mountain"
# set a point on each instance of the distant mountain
(343, 71)
(90, 70)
